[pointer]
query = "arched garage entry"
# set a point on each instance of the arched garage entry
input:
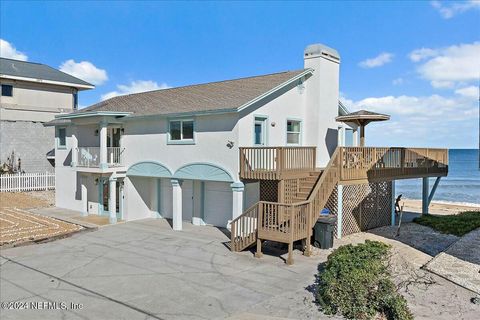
(149, 186)
(206, 193)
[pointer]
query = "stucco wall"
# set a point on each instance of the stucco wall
(30, 140)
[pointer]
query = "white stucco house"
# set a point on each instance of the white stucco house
(174, 153)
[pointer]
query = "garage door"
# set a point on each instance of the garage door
(218, 203)
(187, 200)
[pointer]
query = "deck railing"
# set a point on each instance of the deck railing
(90, 156)
(275, 163)
(376, 164)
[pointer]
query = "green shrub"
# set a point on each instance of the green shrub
(356, 283)
(457, 224)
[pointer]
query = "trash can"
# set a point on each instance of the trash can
(323, 231)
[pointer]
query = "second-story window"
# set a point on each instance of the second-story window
(181, 130)
(62, 138)
(75, 100)
(293, 131)
(7, 90)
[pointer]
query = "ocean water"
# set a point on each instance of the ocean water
(462, 185)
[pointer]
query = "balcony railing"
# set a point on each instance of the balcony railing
(275, 163)
(90, 157)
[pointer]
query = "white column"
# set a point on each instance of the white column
(103, 145)
(339, 211)
(120, 201)
(341, 136)
(74, 146)
(177, 204)
(237, 200)
(355, 137)
(84, 192)
(112, 199)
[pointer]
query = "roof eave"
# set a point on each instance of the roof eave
(58, 83)
(75, 115)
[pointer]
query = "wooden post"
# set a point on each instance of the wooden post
(290, 253)
(258, 253)
(362, 136)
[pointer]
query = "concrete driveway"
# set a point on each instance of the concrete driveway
(144, 270)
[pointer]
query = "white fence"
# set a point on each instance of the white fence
(27, 182)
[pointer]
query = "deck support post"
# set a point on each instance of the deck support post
(393, 204)
(237, 200)
(177, 204)
(434, 188)
(112, 200)
(258, 253)
(339, 211)
(290, 254)
(84, 192)
(425, 189)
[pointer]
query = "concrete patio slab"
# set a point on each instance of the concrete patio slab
(460, 263)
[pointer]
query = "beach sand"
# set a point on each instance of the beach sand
(440, 208)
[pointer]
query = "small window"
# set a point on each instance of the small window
(75, 101)
(7, 90)
(62, 137)
(293, 132)
(181, 130)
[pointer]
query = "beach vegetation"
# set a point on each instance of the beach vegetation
(456, 224)
(356, 283)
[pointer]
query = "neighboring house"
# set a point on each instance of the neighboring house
(31, 95)
(239, 153)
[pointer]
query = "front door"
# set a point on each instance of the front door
(260, 134)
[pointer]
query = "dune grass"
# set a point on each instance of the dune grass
(458, 224)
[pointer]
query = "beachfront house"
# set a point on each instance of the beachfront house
(261, 155)
(31, 95)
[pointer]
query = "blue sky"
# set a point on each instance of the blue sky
(418, 61)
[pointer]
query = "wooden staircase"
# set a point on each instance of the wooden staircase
(292, 221)
(283, 222)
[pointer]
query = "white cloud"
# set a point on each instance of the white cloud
(434, 120)
(397, 81)
(7, 50)
(421, 54)
(134, 87)
(450, 66)
(469, 92)
(451, 9)
(84, 70)
(378, 61)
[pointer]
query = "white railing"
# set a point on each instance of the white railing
(27, 182)
(114, 155)
(90, 156)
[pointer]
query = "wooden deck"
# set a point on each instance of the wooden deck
(289, 222)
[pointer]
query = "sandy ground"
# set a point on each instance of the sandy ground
(437, 207)
(24, 200)
(19, 226)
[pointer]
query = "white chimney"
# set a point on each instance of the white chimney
(322, 100)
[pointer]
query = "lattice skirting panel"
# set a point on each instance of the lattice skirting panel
(291, 188)
(269, 190)
(366, 206)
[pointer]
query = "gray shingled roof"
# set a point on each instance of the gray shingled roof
(213, 96)
(33, 70)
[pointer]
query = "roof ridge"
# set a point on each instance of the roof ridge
(204, 83)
